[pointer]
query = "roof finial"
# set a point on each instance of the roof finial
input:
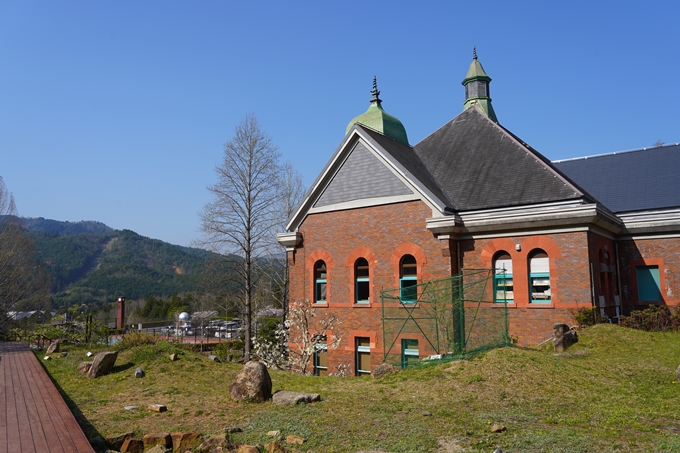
(474, 52)
(375, 91)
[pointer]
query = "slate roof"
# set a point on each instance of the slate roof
(481, 165)
(629, 181)
(405, 155)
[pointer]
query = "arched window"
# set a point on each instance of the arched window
(362, 287)
(320, 282)
(502, 280)
(539, 276)
(408, 280)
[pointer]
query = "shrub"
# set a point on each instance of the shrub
(587, 316)
(652, 319)
(137, 339)
(228, 348)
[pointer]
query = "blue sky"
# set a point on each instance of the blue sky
(118, 111)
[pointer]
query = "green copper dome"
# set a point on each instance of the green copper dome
(377, 119)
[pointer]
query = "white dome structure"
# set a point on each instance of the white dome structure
(184, 316)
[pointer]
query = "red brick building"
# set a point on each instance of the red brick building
(592, 232)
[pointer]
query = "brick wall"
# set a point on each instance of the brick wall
(662, 252)
(568, 253)
(382, 235)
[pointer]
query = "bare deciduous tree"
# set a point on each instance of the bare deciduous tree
(291, 192)
(20, 277)
(239, 221)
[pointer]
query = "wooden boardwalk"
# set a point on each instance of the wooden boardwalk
(33, 416)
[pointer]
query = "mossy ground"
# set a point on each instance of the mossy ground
(615, 390)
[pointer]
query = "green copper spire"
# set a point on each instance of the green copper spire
(377, 119)
(476, 84)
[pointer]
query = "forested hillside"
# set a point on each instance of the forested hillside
(89, 263)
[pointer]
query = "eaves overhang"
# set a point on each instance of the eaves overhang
(556, 215)
(289, 240)
(651, 222)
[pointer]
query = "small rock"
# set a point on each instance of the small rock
(132, 446)
(288, 398)
(158, 449)
(173, 357)
(234, 429)
(130, 408)
(214, 358)
(213, 443)
(496, 428)
(53, 347)
(139, 373)
(116, 441)
(158, 407)
(498, 450)
(162, 439)
(47, 358)
(427, 414)
(274, 447)
(84, 367)
(292, 439)
(247, 449)
(383, 370)
(182, 442)
(64, 354)
(89, 354)
(273, 433)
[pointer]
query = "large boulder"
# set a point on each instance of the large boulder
(563, 337)
(102, 364)
(53, 347)
(288, 398)
(252, 384)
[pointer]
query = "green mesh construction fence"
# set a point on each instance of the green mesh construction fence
(442, 319)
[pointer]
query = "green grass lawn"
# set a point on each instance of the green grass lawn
(615, 390)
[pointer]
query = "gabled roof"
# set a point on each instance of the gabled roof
(645, 179)
(369, 168)
(480, 165)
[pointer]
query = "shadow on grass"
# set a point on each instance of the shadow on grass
(123, 367)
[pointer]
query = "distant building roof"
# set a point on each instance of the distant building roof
(627, 181)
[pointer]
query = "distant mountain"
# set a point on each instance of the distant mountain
(91, 263)
(59, 227)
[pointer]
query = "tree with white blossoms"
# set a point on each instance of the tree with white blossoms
(301, 336)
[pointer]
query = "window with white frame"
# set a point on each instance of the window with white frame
(539, 277)
(408, 281)
(320, 282)
(361, 281)
(502, 280)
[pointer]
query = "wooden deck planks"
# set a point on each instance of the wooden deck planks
(34, 417)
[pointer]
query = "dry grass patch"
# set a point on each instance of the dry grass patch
(613, 391)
